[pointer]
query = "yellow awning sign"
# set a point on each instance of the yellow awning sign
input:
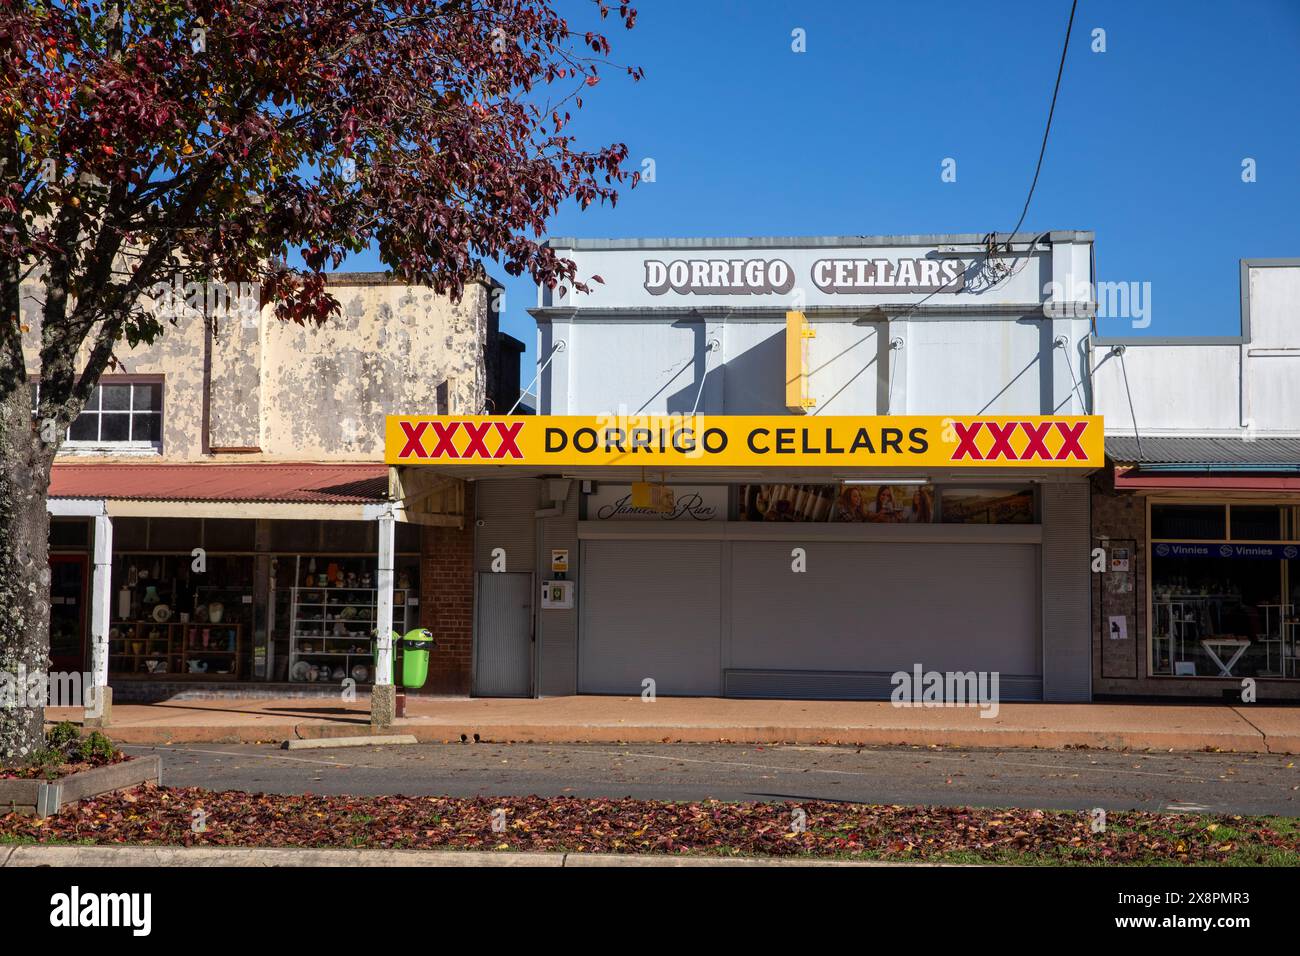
(747, 441)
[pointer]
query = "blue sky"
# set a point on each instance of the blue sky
(750, 138)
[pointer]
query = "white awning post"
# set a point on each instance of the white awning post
(100, 602)
(384, 582)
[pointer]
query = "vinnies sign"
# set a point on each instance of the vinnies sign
(903, 441)
(776, 276)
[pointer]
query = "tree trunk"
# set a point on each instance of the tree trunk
(24, 569)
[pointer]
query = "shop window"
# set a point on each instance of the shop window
(1256, 522)
(175, 534)
(291, 536)
(1189, 522)
(223, 534)
(987, 505)
(1222, 607)
(69, 532)
(349, 536)
(169, 622)
(408, 538)
(130, 534)
(120, 414)
(845, 502)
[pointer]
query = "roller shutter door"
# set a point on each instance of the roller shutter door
(863, 611)
(650, 609)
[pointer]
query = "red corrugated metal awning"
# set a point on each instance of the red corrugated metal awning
(342, 484)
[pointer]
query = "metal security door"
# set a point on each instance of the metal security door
(503, 635)
(651, 609)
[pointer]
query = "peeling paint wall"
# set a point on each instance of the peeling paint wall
(267, 390)
(179, 356)
(393, 348)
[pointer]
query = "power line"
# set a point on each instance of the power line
(1043, 149)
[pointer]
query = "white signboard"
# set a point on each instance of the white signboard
(690, 503)
(797, 277)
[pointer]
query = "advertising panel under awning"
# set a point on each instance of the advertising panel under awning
(659, 441)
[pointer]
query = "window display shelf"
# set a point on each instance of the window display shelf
(321, 619)
(169, 650)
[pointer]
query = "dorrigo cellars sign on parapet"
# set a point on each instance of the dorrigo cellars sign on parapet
(877, 441)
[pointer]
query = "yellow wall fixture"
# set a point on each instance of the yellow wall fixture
(652, 496)
(797, 334)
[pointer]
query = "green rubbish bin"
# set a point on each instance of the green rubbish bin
(416, 645)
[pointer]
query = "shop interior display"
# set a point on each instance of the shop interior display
(332, 611)
(169, 624)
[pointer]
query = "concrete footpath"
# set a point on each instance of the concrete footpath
(119, 856)
(1248, 728)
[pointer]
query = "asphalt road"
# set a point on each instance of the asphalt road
(1075, 779)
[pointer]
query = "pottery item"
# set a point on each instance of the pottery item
(201, 614)
(309, 581)
(403, 580)
(216, 611)
(198, 667)
(338, 673)
(185, 617)
(300, 671)
(162, 613)
(151, 594)
(124, 603)
(137, 647)
(360, 673)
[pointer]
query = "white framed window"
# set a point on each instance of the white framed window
(120, 415)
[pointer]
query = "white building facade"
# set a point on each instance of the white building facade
(883, 465)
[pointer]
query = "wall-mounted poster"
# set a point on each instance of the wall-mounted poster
(787, 502)
(890, 504)
(988, 506)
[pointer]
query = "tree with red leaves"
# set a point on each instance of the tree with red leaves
(150, 142)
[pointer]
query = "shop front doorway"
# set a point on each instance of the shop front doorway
(503, 635)
(68, 573)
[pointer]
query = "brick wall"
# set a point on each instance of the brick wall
(447, 602)
(1118, 522)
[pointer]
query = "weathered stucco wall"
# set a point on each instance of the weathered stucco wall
(262, 389)
(178, 356)
(393, 348)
